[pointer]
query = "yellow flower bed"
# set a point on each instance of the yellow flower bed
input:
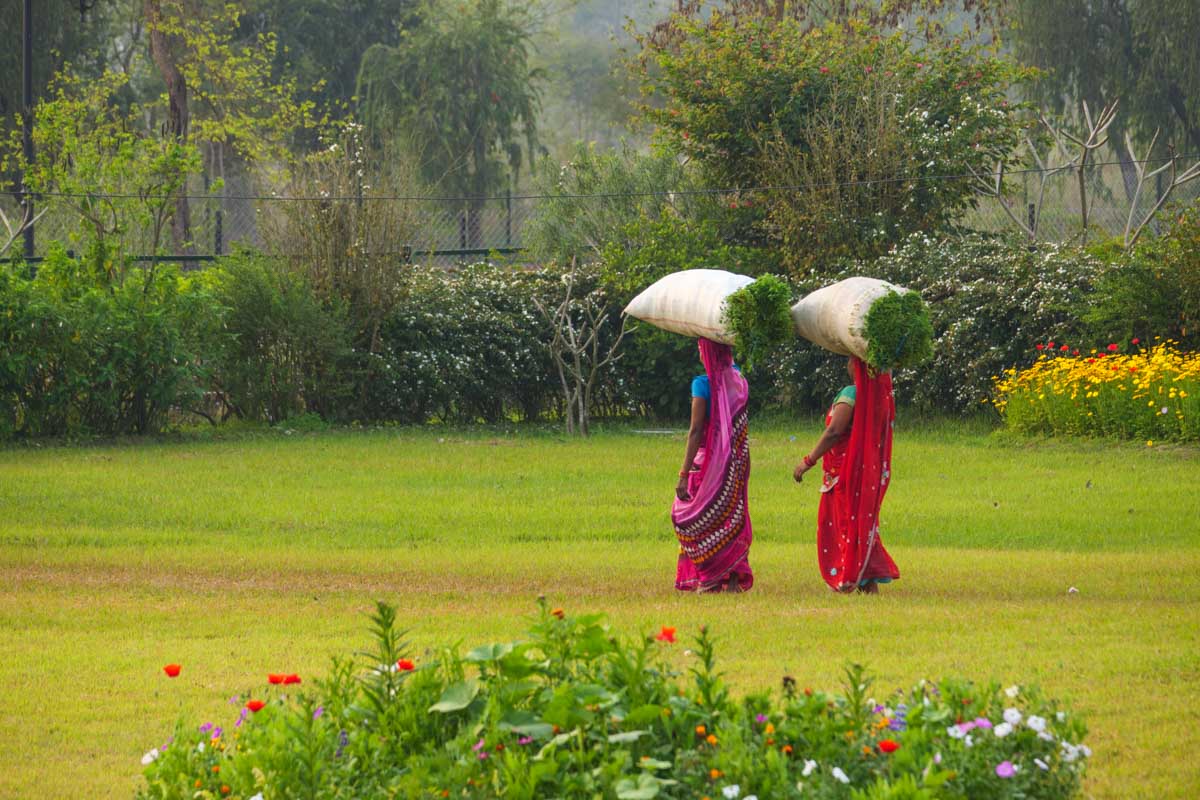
(1148, 393)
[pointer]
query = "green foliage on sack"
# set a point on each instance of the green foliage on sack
(575, 710)
(92, 346)
(898, 331)
(759, 314)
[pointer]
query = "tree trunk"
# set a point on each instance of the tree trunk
(163, 53)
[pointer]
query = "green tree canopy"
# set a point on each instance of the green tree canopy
(461, 86)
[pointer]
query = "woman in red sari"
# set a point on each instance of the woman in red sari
(857, 451)
(711, 514)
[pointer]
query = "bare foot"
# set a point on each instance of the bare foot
(871, 587)
(733, 585)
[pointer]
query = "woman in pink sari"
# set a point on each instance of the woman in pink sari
(857, 451)
(711, 514)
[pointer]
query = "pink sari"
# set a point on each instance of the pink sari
(857, 473)
(713, 527)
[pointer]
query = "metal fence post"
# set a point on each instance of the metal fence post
(508, 216)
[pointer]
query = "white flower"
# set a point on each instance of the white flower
(150, 757)
(839, 775)
(1013, 691)
(1036, 723)
(1070, 752)
(1012, 716)
(1085, 751)
(955, 732)
(1046, 736)
(1042, 765)
(1061, 716)
(751, 797)
(732, 791)
(810, 767)
(1002, 730)
(200, 747)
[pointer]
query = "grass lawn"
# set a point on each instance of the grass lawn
(261, 554)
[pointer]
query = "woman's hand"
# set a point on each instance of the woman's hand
(681, 490)
(798, 473)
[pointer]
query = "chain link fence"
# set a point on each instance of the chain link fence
(1043, 206)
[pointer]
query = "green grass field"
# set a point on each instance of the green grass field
(261, 553)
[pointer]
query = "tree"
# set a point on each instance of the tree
(847, 127)
(321, 42)
(1141, 53)
(461, 85)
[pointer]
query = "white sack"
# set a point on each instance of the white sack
(834, 317)
(689, 302)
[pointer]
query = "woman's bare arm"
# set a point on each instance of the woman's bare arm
(838, 428)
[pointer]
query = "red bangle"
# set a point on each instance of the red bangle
(683, 474)
(809, 462)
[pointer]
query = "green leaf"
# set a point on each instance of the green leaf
(456, 697)
(488, 653)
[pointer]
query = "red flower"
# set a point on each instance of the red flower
(1091, 361)
(293, 678)
(888, 745)
(1041, 347)
(172, 670)
(1112, 348)
(1064, 348)
(1135, 341)
(275, 678)
(405, 665)
(1049, 344)
(1074, 352)
(824, 70)
(687, 135)
(256, 705)
(667, 635)
(1133, 369)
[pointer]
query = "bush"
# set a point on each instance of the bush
(288, 352)
(466, 344)
(1153, 289)
(574, 711)
(1151, 394)
(93, 347)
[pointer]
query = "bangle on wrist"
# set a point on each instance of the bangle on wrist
(683, 474)
(809, 461)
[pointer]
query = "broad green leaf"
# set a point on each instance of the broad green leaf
(456, 697)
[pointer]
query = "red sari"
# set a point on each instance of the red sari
(857, 472)
(713, 527)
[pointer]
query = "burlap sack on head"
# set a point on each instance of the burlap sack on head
(834, 317)
(691, 302)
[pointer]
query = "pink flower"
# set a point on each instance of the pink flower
(824, 70)
(1005, 769)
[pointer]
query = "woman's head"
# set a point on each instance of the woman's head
(850, 367)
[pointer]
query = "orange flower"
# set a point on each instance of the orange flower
(198, 783)
(667, 634)
(405, 665)
(256, 705)
(172, 670)
(701, 730)
(224, 789)
(275, 678)
(769, 729)
(770, 742)
(216, 768)
(787, 749)
(714, 773)
(712, 739)
(558, 612)
(866, 751)
(889, 746)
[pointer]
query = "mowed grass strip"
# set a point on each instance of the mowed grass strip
(238, 558)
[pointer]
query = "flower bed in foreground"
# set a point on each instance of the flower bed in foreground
(576, 712)
(1151, 394)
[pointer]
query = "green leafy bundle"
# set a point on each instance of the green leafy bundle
(898, 331)
(760, 318)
